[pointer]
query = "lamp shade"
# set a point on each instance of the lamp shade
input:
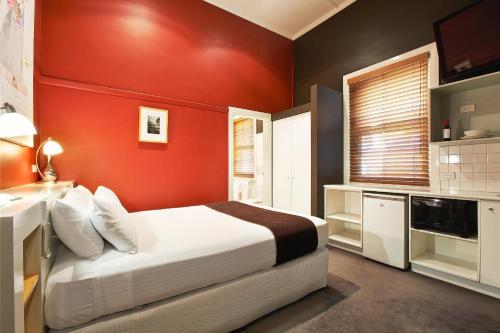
(51, 148)
(15, 124)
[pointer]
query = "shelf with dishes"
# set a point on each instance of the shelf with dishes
(344, 218)
(470, 107)
(494, 139)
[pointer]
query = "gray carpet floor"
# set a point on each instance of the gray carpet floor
(365, 296)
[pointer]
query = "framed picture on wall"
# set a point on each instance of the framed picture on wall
(153, 125)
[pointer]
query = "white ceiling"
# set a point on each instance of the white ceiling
(289, 18)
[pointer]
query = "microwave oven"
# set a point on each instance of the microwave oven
(451, 216)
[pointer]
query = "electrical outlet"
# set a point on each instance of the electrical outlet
(447, 175)
(468, 108)
(33, 168)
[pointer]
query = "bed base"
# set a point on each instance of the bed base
(223, 307)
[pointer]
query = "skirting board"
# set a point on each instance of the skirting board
(468, 284)
(222, 307)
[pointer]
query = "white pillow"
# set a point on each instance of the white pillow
(71, 222)
(109, 217)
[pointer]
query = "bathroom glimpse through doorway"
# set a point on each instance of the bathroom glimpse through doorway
(250, 140)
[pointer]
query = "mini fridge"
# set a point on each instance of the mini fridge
(385, 228)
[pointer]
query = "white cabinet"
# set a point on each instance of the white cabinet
(292, 163)
(490, 243)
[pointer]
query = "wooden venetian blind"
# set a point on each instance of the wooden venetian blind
(389, 124)
(243, 155)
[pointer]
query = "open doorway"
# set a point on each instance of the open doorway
(250, 150)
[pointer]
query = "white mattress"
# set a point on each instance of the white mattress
(180, 250)
(219, 308)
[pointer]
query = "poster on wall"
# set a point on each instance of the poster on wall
(153, 125)
(16, 58)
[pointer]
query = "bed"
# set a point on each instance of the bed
(196, 269)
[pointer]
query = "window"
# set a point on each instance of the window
(243, 163)
(389, 124)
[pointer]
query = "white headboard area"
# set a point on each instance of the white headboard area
(27, 251)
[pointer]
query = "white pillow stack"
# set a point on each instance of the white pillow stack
(109, 217)
(71, 222)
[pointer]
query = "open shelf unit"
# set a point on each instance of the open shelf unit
(446, 253)
(30, 284)
(343, 212)
(32, 289)
(472, 239)
(446, 100)
(346, 217)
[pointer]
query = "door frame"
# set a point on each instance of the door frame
(268, 150)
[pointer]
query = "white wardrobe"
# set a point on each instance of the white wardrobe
(292, 163)
(307, 152)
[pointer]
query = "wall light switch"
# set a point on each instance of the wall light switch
(468, 108)
(447, 175)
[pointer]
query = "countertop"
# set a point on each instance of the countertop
(31, 194)
(416, 190)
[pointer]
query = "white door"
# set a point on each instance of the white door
(282, 159)
(384, 229)
(490, 244)
(301, 163)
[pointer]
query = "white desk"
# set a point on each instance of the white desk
(25, 257)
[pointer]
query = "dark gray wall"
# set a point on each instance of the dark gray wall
(363, 34)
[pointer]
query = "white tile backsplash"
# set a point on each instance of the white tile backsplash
(493, 167)
(493, 148)
(454, 150)
(480, 186)
(466, 176)
(474, 167)
(466, 186)
(467, 158)
(493, 158)
(467, 167)
(479, 149)
(443, 159)
(454, 159)
(480, 158)
(493, 186)
(480, 176)
(479, 167)
(468, 149)
(494, 176)
(454, 185)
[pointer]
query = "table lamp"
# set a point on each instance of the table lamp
(14, 124)
(50, 148)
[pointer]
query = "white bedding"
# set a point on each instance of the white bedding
(179, 250)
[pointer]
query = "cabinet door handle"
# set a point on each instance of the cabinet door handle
(491, 210)
(381, 205)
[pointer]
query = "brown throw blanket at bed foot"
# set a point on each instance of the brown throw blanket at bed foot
(295, 236)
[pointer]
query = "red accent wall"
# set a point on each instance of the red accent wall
(15, 165)
(101, 60)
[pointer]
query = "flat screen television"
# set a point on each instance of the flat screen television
(468, 41)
